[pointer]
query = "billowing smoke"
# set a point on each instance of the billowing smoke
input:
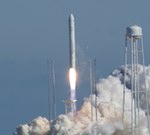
(142, 80)
(109, 111)
(38, 126)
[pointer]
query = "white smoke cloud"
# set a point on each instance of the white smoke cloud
(120, 74)
(38, 126)
(109, 111)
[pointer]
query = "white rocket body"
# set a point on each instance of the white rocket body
(72, 70)
(72, 42)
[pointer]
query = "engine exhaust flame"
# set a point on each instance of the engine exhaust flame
(72, 78)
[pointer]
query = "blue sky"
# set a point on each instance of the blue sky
(32, 31)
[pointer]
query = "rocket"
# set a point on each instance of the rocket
(72, 54)
(72, 69)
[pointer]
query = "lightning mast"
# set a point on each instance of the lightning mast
(91, 89)
(51, 90)
(54, 92)
(95, 90)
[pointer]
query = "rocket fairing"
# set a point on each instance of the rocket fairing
(72, 54)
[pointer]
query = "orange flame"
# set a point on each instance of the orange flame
(72, 78)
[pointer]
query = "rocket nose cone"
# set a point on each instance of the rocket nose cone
(71, 17)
